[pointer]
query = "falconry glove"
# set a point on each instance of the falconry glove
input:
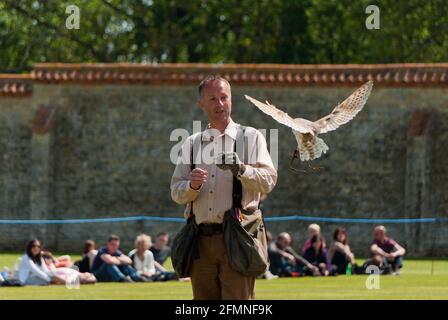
(230, 161)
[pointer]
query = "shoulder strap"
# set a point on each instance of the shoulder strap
(195, 149)
(237, 192)
(195, 146)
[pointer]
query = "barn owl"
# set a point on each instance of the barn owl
(309, 145)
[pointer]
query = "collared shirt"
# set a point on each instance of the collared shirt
(214, 197)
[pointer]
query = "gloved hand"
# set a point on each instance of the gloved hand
(230, 161)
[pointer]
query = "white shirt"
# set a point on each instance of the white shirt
(29, 270)
(91, 256)
(214, 197)
(145, 265)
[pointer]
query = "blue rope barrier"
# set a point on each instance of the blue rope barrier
(269, 219)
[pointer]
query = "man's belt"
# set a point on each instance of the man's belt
(210, 229)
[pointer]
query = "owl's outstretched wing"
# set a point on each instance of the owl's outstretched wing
(282, 117)
(345, 111)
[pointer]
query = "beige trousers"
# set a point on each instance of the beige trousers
(212, 277)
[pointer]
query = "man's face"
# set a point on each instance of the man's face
(216, 101)
(283, 242)
(112, 246)
(162, 241)
(379, 234)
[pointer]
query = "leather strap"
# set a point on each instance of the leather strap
(237, 190)
(195, 148)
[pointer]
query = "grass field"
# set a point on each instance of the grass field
(415, 282)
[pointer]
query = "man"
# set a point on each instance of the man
(285, 262)
(111, 265)
(387, 249)
(159, 249)
(208, 187)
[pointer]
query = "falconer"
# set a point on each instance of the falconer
(210, 189)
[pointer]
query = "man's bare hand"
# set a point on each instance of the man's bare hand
(197, 178)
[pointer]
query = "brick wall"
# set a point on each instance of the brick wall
(107, 154)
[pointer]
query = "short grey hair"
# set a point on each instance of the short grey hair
(208, 79)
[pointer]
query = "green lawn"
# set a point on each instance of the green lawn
(415, 282)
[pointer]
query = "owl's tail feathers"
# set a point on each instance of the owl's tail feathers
(312, 149)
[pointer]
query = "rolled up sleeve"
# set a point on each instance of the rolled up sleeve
(261, 176)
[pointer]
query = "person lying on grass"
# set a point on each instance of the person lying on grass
(33, 270)
(66, 274)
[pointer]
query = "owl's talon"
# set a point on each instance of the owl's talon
(310, 167)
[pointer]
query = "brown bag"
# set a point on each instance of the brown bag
(246, 242)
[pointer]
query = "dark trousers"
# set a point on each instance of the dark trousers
(395, 265)
(114, 273)
(280, 266)
(340, 261)
(163, 276)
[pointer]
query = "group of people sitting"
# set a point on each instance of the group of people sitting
(145, 262)
(318, 260)
(107, 264)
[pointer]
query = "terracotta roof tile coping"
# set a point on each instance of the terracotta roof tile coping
(15, 85)
(404, 74)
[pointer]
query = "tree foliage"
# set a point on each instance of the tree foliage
(231, 31)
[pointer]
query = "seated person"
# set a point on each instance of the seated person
(161, 250)
(62, 261)
(284, 261)
(144, 263)
(33, 270)
(66, 274)
(340, 254)
(88, 256)
(111, 265)
(313, 229)
(316, 254)
(268, 274)
(388, 250)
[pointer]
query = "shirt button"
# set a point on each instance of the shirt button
(213, 175)
(211, 191)
(209, 209)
